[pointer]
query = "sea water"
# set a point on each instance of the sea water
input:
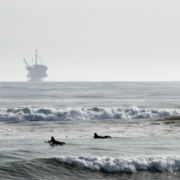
(143, 119)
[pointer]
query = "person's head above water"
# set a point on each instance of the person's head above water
(52, 138)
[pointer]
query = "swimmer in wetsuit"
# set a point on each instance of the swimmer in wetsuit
(100, 137)
(53, 142)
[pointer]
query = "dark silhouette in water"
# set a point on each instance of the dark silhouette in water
(100, 137)
(53, 142)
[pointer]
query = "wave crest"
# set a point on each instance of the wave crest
(122, 164)
(95, 113)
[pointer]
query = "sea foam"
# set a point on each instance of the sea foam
(95, 113)
(123, 164)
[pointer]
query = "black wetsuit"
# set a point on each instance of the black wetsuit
(100, 137)
(54, 142)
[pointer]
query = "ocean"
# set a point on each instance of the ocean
(143, 119)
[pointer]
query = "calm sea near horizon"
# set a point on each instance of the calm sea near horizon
(143, 119)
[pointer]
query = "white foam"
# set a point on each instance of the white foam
(122, 164)
(68, 114)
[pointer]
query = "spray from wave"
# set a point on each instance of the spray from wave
(123, 164)
(95, 113)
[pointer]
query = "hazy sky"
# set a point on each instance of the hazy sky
(91, 40)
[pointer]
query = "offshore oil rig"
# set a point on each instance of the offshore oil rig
(36, 72)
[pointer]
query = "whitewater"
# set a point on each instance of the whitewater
(143, 119)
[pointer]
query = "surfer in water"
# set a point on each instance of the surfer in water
(100, 137)
(53, 142)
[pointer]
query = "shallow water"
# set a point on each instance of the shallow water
(143, 119)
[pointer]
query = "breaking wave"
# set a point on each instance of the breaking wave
(95, 113)
(123, 164)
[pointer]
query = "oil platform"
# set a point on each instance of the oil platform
(36, 72)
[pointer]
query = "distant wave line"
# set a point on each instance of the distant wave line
(94, 113)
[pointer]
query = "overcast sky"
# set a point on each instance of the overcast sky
(91, 40)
